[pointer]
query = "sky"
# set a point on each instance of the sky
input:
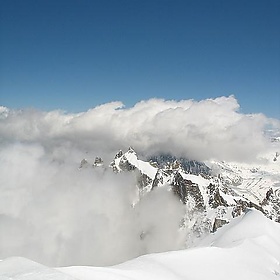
(75, 55)
(80, 79)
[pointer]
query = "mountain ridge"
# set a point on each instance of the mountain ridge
(211, 199)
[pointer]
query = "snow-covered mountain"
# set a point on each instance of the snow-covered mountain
(213, 193)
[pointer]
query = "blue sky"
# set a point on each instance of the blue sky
(74, 55)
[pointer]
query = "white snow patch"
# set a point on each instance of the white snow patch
(197, 179)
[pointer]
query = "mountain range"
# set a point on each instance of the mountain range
(213, 193)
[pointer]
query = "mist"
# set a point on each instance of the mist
(57, 214)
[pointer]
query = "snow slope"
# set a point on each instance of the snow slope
(250, 180)
(247, 248)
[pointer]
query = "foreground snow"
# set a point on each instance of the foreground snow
(247, 248)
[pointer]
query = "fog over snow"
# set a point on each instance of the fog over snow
(245, 249)
(55, 214)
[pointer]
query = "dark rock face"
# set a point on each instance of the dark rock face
(189, 166)
(119, 154)
(143, 180)
(215, 199)
(271, 204)
(239, 209)
(159, 178)
(218, 223)
(185, 189)
(125, 165)
(98, 161)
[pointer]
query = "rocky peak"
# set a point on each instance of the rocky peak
(119, 154)
(84, 163)
(131, 151)
(121, 162)
(98, 162)
(210, 200)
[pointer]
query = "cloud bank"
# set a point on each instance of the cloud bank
(55, 214)
(208, 129)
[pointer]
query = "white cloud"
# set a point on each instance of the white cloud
(211, 128)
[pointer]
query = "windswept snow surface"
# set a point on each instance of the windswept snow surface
(247, 248)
